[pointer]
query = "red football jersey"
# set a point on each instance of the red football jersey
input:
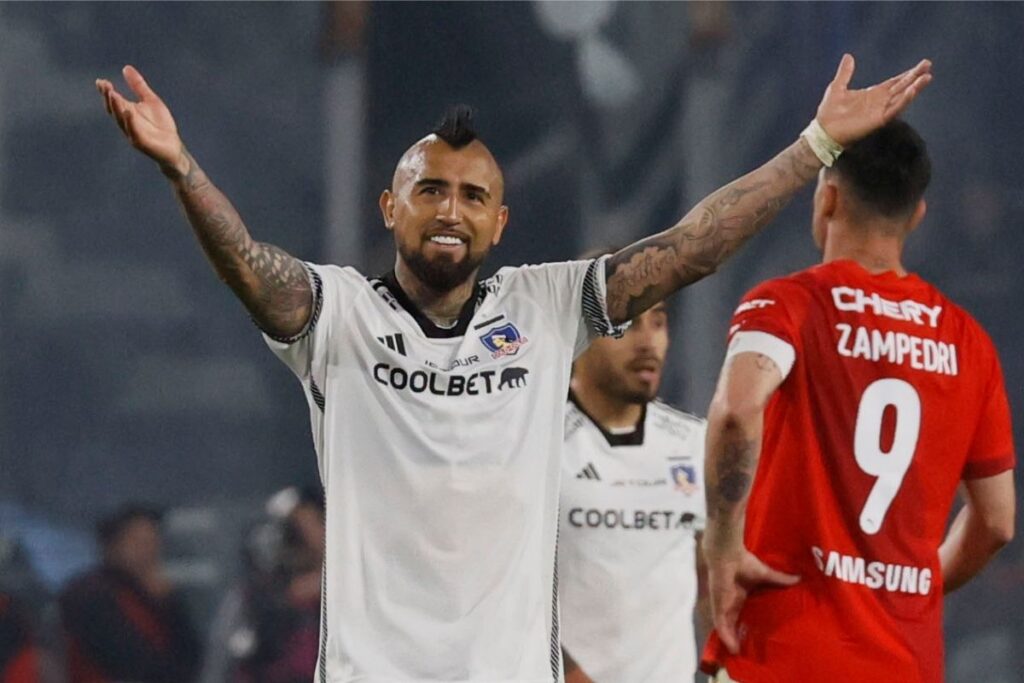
(895, 395)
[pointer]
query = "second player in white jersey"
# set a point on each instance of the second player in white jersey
(631, 506)
(632, 503)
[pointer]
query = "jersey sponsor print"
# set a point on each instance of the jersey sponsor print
(439, 452)
(892, 395)
(630, 507)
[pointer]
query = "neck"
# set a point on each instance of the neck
(877, 248)
(608, 411)
(442, 308)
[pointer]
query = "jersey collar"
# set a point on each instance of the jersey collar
(633, 438)
(426, 324)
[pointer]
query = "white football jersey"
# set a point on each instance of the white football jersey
(630, 507)
(439, 450)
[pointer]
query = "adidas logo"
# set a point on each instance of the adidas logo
(589, 472)
(393, 342)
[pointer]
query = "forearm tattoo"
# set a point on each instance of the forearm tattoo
(728, 486)
(271, 283)
(734, 470)
(645, 273)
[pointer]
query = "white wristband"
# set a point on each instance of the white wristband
(822, 144)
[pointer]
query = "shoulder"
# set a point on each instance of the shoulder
(549, 272)
(781, 293)
(965, 327)
(574, 419)
(794, 285)
(666, 417)
(332, 279)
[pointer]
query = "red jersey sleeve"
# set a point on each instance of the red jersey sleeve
(991, 451)
(766, 308)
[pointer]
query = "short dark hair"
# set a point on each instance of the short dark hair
(110, 527)
(456, 128)
(888, 170)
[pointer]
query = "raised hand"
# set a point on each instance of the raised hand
(848, 115)
(729, 583)
(148, 123)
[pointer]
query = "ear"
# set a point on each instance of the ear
(387, 208)
(829, 199)
(500, 228)
(915, 219)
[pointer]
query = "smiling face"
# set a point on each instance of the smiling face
(445, 210)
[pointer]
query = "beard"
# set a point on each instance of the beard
(441, 274)
(636, 396)
(623, 388)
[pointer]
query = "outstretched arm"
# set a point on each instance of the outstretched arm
(646, 272)
(272, 284)
(982, 527)
(735, 421)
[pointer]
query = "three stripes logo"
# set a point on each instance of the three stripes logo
(394, 342)
(589, 472)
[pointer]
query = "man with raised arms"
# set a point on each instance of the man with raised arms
(436, 399)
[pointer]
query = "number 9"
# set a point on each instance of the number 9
(890, 467)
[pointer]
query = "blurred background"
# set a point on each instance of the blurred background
(130, 374)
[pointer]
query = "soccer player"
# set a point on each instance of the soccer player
(631, 504)
(436, 400)
(854, 399)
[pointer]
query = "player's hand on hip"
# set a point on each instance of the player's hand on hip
(730, 581)
(848, 115)
(147, 123)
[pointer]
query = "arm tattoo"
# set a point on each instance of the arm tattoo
(646, 272)
(272, 284)
(734, 470)
(730, 475)
(764, 363)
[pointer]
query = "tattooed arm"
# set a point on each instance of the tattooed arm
(270, 283)
(735, 421)
(648, 271)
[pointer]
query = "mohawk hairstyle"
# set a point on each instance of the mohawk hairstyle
(456, 128)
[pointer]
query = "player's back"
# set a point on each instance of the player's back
(889, 404)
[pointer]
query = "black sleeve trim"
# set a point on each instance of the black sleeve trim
(595, 306)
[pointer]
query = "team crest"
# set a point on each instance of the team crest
(503, 340)
(685, 478)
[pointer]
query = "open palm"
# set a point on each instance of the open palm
(848, 115)
(147, 123)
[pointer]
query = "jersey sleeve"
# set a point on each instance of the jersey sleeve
(575, 293)
(334, 290)
(763, 323)
(991, 451)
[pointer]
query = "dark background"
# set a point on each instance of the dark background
(128, 371)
